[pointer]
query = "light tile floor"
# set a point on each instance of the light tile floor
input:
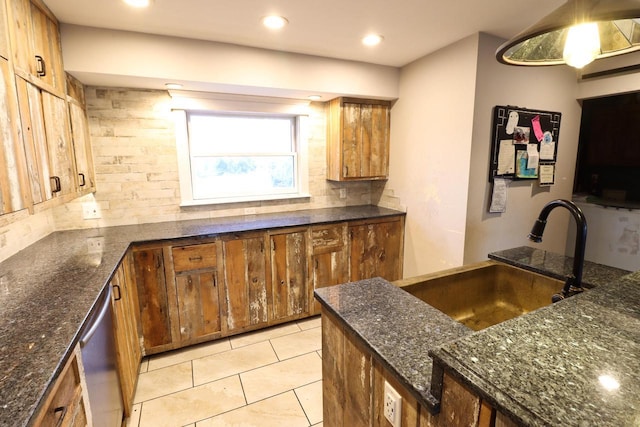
(271, 377)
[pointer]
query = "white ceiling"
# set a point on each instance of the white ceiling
(329, 28)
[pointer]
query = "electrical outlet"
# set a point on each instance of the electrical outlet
(343, 193)
(392, 405)
(249, 211)
(90, 211)
(95, 245)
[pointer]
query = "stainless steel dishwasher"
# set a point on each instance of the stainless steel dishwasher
(98, 351)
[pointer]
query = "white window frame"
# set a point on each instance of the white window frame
(184, 102)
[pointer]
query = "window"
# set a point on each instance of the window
(227, 157)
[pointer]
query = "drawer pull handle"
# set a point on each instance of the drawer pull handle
(119, 297)
(56, 184)
(41, 67)
(195, 258)
(62, 409)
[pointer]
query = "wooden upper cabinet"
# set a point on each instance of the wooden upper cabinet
(59, 144)
(35, 43)
(34, 140)
(376, 248)
(245, 281)
(289, 280)
(15, 190)
(19, 14)
(4, 31)
(329, 259)
(47, 142)
(358, 139)
(80, 135)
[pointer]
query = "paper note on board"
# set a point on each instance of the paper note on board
(512, 122)
(499, 195)
(537, 130)
(532, 156)
(506, 157)
(547, 147)
(547, 174)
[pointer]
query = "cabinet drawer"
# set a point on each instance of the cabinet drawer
(327, 239)
(194, 257)
(65, 404)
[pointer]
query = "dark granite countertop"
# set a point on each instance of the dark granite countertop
(398, 328)
(49, 288)
(541, 369)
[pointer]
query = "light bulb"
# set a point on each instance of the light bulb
(582, 45)
(274, 22)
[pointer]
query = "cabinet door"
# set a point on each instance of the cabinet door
(365, 140)
(56, 122)
(198, 304)
(82, 147)
(289, 283)
(153, 299)
(14, 192)
(358, 139)
(376, 250)
(245, 281)
(329, 255)
(127, 340)
(4, 34)
(19, 12)
(47, 55)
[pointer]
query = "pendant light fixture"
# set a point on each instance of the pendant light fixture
(577, 33)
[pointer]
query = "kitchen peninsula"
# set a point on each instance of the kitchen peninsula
(549, 367)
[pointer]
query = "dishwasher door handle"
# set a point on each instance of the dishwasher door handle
(96, 321)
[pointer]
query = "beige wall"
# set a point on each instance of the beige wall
(431, 133)
(548, 88)
(441, 132)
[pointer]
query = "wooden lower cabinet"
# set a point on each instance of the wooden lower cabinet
(197, 292)
(353, 390)
(376, 248)
(245, 281)
(127, 338)
(328, 259)
(65, 405)
(194, 290)
(289, 283)
(153, 298)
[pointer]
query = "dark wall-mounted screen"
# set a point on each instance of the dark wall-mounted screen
(608, 165)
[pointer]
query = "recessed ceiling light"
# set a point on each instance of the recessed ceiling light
(315, 97)
(173, 85)
(138, 3)
(274, 22)
(372, 39)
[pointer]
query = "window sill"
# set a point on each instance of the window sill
(229, 200)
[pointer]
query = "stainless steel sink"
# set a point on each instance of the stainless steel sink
(483, 294)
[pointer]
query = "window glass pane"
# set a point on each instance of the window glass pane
(224, 134)
(249, 175)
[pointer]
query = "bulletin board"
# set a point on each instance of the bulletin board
(524, 143)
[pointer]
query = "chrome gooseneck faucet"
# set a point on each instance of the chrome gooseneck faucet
(573, 285)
